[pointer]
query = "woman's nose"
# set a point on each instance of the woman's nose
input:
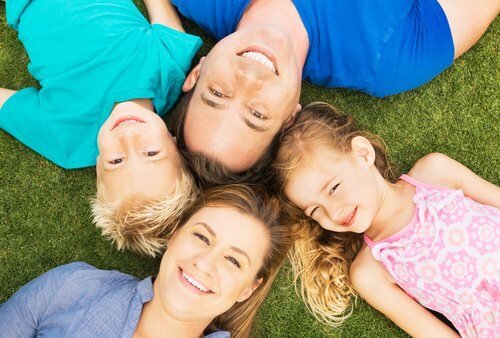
(206, 262)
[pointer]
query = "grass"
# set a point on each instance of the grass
(45, 219)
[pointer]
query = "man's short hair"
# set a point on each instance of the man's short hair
(209, 171)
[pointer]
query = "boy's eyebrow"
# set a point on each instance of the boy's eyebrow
(211, 103)
(234, 248)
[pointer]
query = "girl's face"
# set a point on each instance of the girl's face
(339, 191)
(211, 263)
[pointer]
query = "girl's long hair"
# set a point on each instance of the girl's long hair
(321, 259)
(256, 202)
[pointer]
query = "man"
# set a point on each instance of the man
(246, 91)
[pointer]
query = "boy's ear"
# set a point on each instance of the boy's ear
(192, 77)
(98, 166)
(363, 150)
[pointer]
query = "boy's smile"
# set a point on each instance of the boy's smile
(137, 153)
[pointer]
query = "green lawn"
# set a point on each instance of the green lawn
(45, 219)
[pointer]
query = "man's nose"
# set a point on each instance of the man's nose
(249, 78)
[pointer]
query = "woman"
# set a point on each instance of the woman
(217, 270)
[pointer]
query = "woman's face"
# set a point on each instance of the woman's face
(211, 263)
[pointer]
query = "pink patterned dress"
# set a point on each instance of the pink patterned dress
(447, 258)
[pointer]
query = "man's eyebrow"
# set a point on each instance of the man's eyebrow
(242, 252)
(211, 103)
(253, 126)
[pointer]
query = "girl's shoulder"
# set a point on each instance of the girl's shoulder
(366, 272)
(434, 170)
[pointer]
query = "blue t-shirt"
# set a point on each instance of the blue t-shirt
(78, 300)
(380, 47)
(87, 55)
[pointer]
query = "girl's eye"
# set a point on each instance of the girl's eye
(332, 190)
(313, 211)
(216, 93)
(116, 161)
(151, 153)
(202, 238)
(234, 261)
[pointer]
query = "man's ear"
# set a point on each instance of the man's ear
(248, 292)
(192, 77)
(289, 121)
(363, 150)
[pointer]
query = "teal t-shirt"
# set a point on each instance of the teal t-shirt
(87, 55)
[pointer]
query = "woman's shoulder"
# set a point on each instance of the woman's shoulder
(218, 334)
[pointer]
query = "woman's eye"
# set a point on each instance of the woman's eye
(234, 261)
(116, 161)
(151, 153)
(216, 93)
(202, 238)
(332, 190)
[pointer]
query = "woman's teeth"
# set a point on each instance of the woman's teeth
(261, 58)
(195, 283)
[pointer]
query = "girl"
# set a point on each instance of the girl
(430, 239)
(218, 269)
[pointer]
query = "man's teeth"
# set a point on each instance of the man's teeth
(259, 57)
(195, 283)
(128, 121)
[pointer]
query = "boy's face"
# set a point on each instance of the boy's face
(137, 154)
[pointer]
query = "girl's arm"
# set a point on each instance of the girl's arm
(372, 283)
(439, 169)
(4, 95)
(162, 12)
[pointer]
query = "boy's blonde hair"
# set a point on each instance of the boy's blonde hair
(143, 224)
(321, 259)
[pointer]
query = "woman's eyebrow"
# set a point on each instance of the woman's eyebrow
(234, 248)
(206, 226)
(243, 253)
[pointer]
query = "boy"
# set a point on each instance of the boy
(100, 63)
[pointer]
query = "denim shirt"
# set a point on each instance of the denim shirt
(78, 300)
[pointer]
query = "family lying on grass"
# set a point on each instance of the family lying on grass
(424, 241)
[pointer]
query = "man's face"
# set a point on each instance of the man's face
(247, 90)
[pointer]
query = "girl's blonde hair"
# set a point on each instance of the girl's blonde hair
(321, 259)
(256, 202)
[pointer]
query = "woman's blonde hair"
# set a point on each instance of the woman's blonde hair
(321, 259)
(256, 202)
(143, 224)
